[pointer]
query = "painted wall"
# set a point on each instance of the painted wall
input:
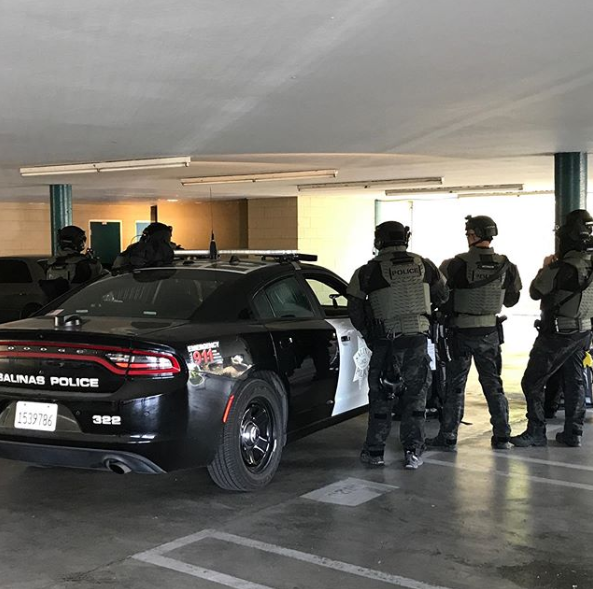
(127, 213)
(26, 227)
(273, 223)
(339, 230)
(192, 223)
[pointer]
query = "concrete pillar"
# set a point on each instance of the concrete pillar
(60, 207)
(570, 177)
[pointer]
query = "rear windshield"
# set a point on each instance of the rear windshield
(168, 294)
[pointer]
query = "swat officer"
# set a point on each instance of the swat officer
(481, 282)
(70, 267)
(389, 302)
(565, 287)
(153, 249)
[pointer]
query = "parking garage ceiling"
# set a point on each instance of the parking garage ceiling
(476, 91)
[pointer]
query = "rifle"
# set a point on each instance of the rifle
(438, 335)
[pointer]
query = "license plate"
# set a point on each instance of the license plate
(36, 416)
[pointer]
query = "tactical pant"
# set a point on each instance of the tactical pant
(408, 358)
(553, 352)
(485, 350)
(553, 393)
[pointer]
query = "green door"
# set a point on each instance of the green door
(106, 240)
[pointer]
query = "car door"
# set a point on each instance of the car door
(353, 355)
(305, 347)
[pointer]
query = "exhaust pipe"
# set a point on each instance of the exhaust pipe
(117, 466)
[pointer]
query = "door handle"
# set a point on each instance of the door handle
(345, 338)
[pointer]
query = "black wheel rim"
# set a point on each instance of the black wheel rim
(257, 435)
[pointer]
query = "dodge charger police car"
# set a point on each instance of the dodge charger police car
(204, 363)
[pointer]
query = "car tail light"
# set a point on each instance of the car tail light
(120, 361)
(138, 363)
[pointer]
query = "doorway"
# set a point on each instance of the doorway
(106, 240)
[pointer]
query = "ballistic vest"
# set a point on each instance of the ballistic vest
(575, 312)
(402, 306)
(478, 304)
(64, 264)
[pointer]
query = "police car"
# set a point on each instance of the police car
(204, 363)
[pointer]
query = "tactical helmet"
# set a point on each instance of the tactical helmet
(157, 229)
(484, 227)
(579, 224)
(73, 237)
(391, 233)
(575, 234)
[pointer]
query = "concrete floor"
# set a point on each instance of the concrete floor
(497, 520)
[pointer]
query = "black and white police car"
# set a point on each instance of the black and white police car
(204, 363)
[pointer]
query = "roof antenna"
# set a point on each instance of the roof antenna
(213, 248)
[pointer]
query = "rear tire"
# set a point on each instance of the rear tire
(253, 436)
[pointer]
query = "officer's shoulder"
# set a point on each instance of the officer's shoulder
(413, 255)
(461, 257)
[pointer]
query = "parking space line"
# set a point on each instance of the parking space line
(156, 557)
(175, 544)
(513, 456)
(199, 572)
(486, 470)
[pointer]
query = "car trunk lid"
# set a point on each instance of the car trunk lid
(97, 358)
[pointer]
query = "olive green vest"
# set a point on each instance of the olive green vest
(479, 304)
(404, 306)
(575, 312)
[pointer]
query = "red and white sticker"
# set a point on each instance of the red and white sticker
(206, 353)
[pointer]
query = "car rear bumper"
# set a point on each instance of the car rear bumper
(75, 457)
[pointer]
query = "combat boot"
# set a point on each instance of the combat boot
(372, 460)
(412, 461)
(532, 436)
(439, 442)
(574, 441)
(499, 443)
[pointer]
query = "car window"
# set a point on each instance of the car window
(330, 294)
(263, 308)
(14, 272)
(287, 299)
(166, 294)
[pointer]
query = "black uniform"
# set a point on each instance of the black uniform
(481, 281)
(390, 301)
(566, 293)
(153, 249)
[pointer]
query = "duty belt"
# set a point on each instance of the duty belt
(569, 325)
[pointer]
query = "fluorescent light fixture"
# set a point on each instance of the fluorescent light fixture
(264, 177)
(515, 193)
(372, 183)
(486, 188)
(424, 196)
(115, 166)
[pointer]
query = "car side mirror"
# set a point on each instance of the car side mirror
(334, 297)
